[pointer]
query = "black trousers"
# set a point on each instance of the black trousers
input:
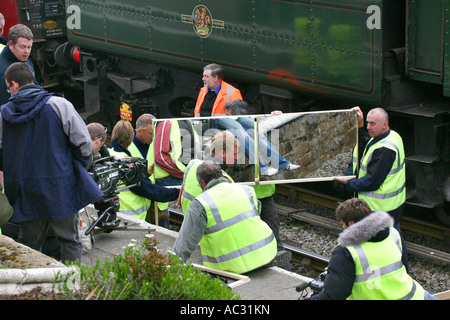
(270, 216)
(33, 233)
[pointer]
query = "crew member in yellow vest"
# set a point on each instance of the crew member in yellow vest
(136, 201)
(367, 263)
(175, 144)
(231, 234)
(381, 179)
(142, 147)
(224, 151)
(264, 193)
(143, 137)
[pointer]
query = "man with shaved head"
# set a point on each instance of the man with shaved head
(381, 178)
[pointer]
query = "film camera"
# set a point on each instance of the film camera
(114, 175)
(315, 286)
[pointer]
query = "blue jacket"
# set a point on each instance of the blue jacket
(7, 58)
(45, 148)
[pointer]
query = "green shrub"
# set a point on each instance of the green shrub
(143, 273)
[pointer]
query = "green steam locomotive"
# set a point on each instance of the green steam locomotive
(137, 56)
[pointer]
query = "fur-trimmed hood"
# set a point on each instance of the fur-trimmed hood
(366, 228)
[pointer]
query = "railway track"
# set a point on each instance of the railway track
(318, 262)
(334, 226)
(296, 193)
(414, 225)
(314, 261)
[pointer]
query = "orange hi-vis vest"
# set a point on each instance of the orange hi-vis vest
(226, 94)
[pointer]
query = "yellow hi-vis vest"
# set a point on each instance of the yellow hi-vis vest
(263, 190)
(175, 154)
(130, 203)
(392, 192)
(191, 187)
(380, 273)
(235, 239)
(136, 153)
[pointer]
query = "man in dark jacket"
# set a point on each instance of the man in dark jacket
(45, 148)
(18, 49)
(367, 262)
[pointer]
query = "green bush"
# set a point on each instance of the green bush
(143, 273)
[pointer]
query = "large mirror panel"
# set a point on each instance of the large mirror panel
(285, 148)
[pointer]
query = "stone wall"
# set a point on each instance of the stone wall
(321, 143)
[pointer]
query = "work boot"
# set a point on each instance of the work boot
(281, 260)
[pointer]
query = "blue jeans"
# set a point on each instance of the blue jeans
(243, 130)
(169, 181)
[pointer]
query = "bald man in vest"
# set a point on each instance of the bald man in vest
(381, 178)
(246, 244)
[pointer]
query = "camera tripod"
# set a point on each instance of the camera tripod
(107, 214)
